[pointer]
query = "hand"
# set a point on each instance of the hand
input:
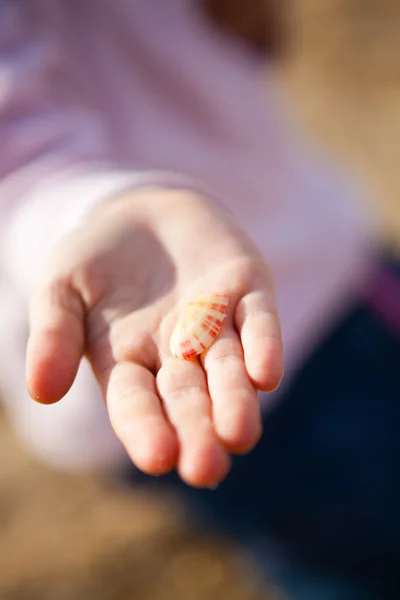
(111, 293)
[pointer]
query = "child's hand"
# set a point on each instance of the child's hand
(109, 293)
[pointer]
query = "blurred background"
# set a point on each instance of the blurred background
(341, 67)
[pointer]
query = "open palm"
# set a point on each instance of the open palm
(113, 292)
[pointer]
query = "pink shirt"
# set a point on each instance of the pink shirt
(98, 95)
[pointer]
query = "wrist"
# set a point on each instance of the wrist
(150, 203)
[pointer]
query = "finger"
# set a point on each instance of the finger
(259, 329)
(137, 418)
(203, 462)
(56, 341)
(236, 412)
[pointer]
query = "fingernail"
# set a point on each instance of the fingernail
(213, 487)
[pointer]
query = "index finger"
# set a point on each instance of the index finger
(138, 419)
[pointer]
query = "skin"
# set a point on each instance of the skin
(112, 292)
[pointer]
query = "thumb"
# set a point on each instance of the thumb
(56, 341)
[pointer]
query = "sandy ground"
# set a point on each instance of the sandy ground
(343, 71)
(70, 538)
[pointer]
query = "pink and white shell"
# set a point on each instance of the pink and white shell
(198, 326)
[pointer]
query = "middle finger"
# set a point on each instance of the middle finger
(182, 385)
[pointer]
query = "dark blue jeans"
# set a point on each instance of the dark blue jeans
(318, 500)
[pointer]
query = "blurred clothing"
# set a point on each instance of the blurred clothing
(97, 96)
(317, 501)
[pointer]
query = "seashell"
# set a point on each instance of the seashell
(198, 326)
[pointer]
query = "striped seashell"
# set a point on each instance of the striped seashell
(198, 326)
